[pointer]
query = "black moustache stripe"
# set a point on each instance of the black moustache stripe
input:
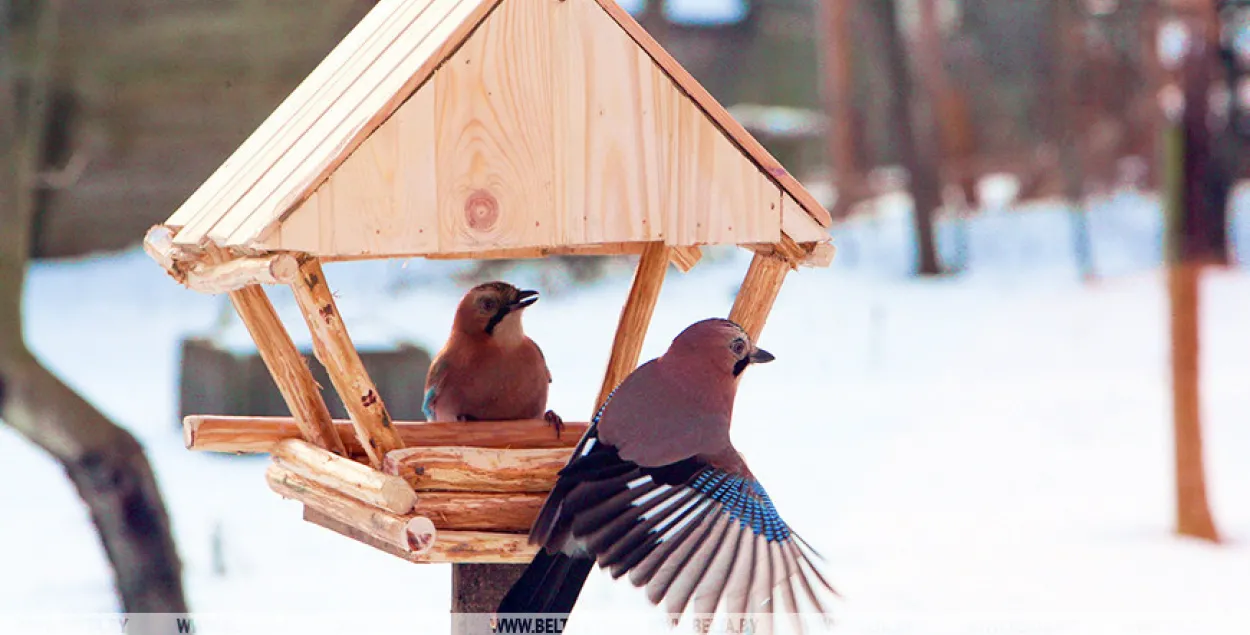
(496, 319)
(741, 365)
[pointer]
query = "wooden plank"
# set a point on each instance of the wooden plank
(493, 116)
(798, 225)
(449, 546)
(461, 469)
(713, 194)
(717, 113)
(257, 435)
(303, 97)
(288, 368)
(631, 330)
(381, 200)
(345, 476)
(334, 348)
(342, 80)
(480, 511)
(758, 292)
(609, 179)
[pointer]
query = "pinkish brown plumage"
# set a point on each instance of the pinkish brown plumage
(489, 370)
(656, 490)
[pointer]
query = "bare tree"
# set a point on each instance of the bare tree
(1067, 123)
(917, 144)
(105, 463)
(1191, 244)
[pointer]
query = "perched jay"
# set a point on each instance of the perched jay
(489, 370)
(656, 489)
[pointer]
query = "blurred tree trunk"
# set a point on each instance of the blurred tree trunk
(1068, 124)
(1207, 183)
(839, 98)
(105, 463)
(1189, 247)
(916, 144)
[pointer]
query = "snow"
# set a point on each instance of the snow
(983, 452)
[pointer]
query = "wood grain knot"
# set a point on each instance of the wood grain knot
(481, 211)
(368, 399)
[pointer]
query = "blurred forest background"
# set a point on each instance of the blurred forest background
(113, 111)
(146, 97)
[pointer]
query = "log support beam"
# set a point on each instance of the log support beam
(336, 352)
(758, 292)
(218, 272)
(635, 317)
(288, 368)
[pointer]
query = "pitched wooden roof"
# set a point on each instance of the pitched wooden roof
(457, 126)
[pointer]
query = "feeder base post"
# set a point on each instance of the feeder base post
(478, 588)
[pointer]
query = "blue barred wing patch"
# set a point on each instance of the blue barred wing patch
(427, 403)
(745, 501)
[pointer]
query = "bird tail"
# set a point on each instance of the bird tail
(550, 584)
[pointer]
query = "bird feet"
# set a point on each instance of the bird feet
(554, 421)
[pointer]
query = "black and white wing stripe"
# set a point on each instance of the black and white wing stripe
(692, 535)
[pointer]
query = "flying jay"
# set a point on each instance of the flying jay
(489, 370)
(656, 490)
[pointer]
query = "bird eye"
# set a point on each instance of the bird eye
(738, 346)
(488, 304)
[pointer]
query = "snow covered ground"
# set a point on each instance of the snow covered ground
(988, 452)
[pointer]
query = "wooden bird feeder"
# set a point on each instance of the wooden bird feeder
(468, 129)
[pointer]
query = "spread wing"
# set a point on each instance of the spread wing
(690, 533)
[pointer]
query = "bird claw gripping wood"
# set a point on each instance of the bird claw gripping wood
(554, 421)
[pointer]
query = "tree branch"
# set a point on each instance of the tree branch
(105, 463)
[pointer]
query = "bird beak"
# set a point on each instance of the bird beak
(523, 299)
(760, 356)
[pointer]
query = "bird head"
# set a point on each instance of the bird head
(719, 343)
(493, 309)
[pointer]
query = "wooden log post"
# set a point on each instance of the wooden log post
(257, 435)
(635, 317)
(758, 292)
(464, 469)
(335, 350)
(287, 367)
(346, 476)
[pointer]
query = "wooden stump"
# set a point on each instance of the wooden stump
(478, 588)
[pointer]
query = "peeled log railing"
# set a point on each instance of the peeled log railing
(458, 492)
